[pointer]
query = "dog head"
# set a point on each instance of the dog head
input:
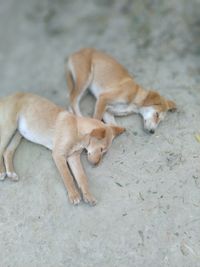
(100, 139)
(154, 109)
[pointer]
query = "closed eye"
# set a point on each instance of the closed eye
(103, 150)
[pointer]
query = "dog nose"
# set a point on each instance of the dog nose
(96, 161)
(152, 131)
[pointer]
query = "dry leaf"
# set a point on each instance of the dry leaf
(197, 136)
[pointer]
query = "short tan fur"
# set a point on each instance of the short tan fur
(67, 135)
(116, 91)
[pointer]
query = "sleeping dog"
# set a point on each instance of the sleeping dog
(42, 122)
(116, 92)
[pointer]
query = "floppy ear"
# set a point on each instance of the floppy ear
(153, 98)
(117, 130)
(98, 133)
(171, 105)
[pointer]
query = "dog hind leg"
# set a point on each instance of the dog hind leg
(78, 82)
(8, 156)
(5, 138)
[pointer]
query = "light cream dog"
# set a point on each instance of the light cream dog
(40, 121)
(115, 90)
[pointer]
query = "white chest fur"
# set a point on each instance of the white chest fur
(122, 109)
(116, 108)
(34, 134)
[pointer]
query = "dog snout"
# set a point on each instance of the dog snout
(94, 159)
(152, 131)
(149, 130)
(97, 162)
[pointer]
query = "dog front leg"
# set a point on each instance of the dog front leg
(81, 178)
(60, 161)
(109, 118)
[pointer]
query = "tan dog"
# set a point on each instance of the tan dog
(40, 121)
(115, 90)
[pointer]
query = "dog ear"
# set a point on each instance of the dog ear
(98, 133)
(153, 98)
(117, 130)
(171, 105)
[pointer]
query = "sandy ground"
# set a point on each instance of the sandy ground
(147, 187)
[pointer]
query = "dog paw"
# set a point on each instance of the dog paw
(88, 198)
(13, 176)
(2, 176)
(74, 197)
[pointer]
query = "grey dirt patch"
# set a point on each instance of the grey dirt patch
(147, 187)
